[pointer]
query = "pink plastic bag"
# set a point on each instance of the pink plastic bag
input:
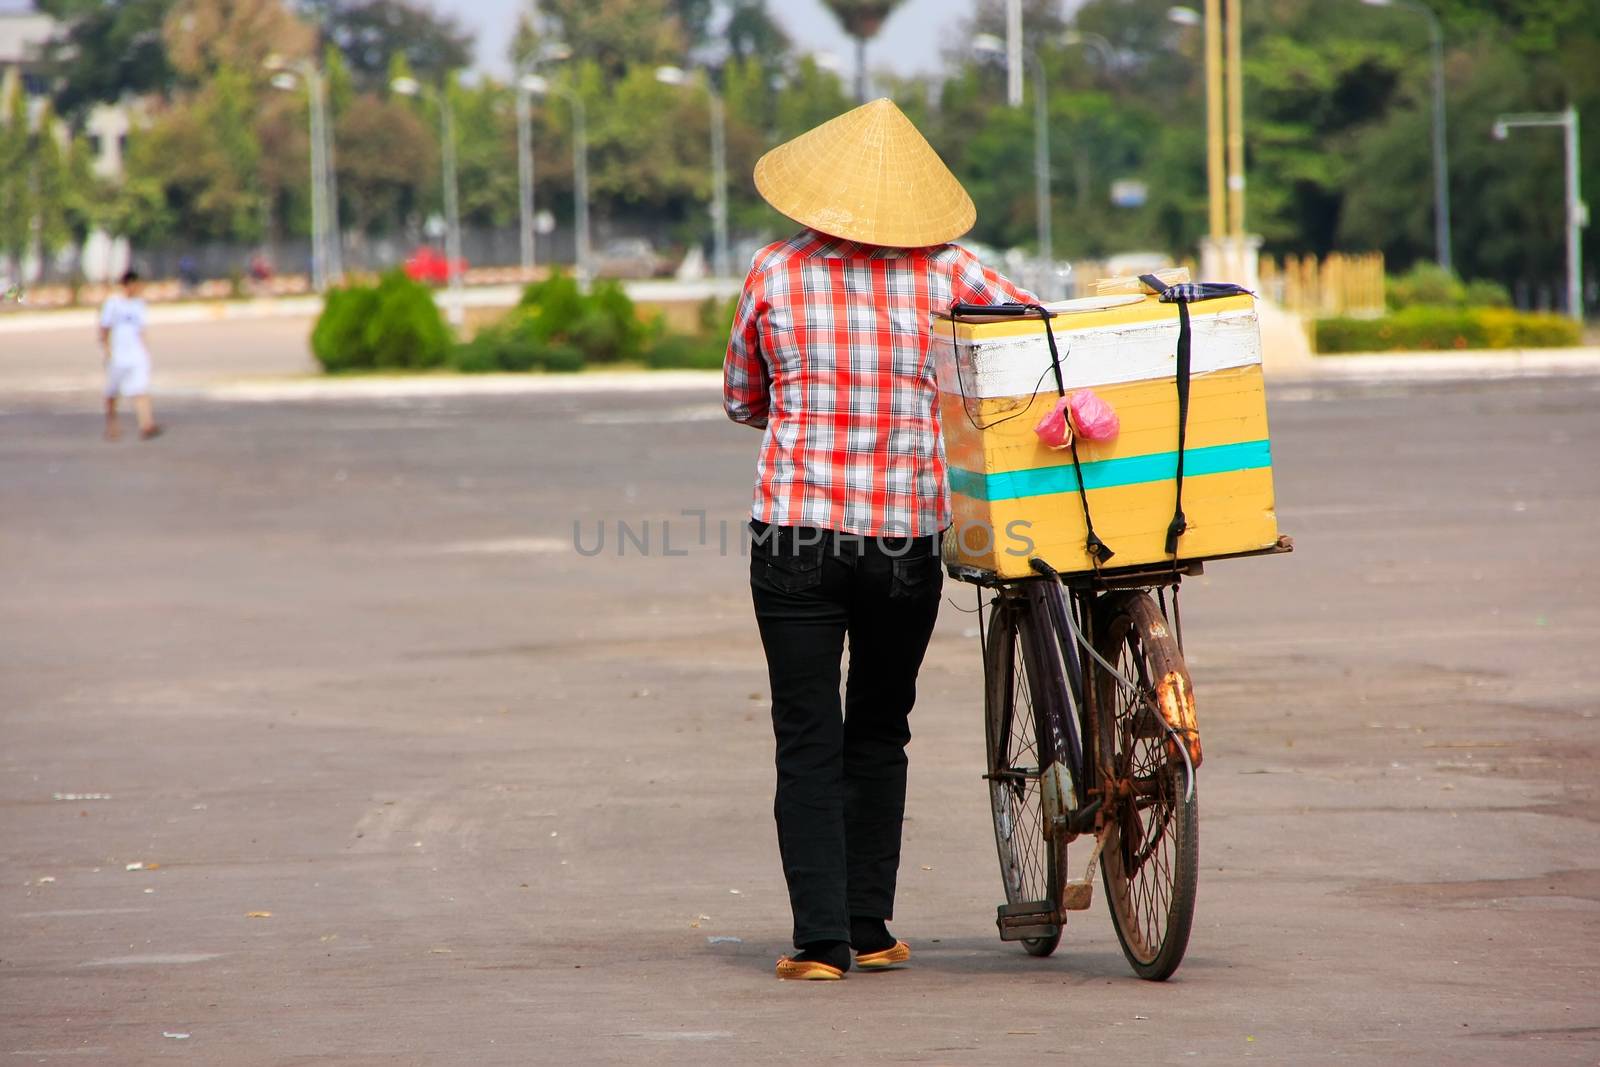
(1092, 418)
(1053, 430)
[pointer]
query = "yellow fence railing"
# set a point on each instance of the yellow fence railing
(1339, 284)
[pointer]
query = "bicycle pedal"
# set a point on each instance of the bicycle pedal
(1027, 921)
(1077, 896)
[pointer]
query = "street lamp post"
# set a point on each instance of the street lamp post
(551, 50)
(1108, 54)
(541, 86)
(452, 209)
(1210, 25)
(1441, 164)
(326, 255)
(1577, 211)
(721, 266)
(1014, 47)
(525, 174)
(987, 44)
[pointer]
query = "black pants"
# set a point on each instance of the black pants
(841, 772)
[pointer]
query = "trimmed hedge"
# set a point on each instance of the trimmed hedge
(681, 350)
(1427, 285)
(392, 325)
(558, 327)
(1425, 328)
(704, 350)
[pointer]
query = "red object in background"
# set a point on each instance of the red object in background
(427, 265)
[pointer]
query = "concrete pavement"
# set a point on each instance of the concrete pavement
(413, 781)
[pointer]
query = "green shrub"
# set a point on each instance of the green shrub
(336, 339)
(1428, 285)
(558, 327)
(716, 315)
(512, 344)
(1424, 328)
(679, 350)
(602, 325)
(1544, 330)
(392, 325)
(1425, 285)
(562, 358)
(1486, 294)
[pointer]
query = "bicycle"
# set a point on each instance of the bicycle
(1107, 749)
(1088, 705)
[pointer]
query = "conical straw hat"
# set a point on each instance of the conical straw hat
(867, 175)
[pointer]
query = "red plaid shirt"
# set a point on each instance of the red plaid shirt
(829, 354)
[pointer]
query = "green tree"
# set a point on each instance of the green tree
(386, 161)
(52, 190)
(111, 49)
(204, 155)
(17, 202)
(205, 37)
(370, 33)
(486, 137)
(284, 171)
(616, 34)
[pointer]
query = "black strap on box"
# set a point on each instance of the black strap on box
(1098, 550)
(1181, 295)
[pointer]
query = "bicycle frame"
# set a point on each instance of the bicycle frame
(1073, 786)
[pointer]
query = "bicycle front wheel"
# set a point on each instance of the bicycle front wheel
(1017, 703)
(1151, 858)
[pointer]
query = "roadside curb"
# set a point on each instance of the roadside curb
(290, 307)
(1384, 367)
(1469, 365)
(404, 387)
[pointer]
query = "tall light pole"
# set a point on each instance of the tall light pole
(1108, 54)
(1234, 18)
(551, 50)
(1216, 180)
(1013, 53)
(1441, 164)
(326, 255)
(987, 44)
(1577, 210)
(541, 86)
(452, 208)
(720, 264)
(525, 175)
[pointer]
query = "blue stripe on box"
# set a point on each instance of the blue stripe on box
(1109, 473)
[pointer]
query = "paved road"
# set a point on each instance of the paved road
(339, 662)
(186, 356)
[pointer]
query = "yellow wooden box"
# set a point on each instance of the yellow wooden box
(1013, 497)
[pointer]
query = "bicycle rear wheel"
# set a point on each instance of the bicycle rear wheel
(1016, 703)
(1150, 863)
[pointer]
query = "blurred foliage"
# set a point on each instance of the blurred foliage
(17, 201)
(110, 50)
(1424, 327)
(393, 325)
(702, 350)
(1427, 285)
(203, 37)
(557, 326)
(369, 33)
(1338, 108)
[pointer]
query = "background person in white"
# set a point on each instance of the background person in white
(122, 320)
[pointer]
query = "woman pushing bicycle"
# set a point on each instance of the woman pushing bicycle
(829, 357)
